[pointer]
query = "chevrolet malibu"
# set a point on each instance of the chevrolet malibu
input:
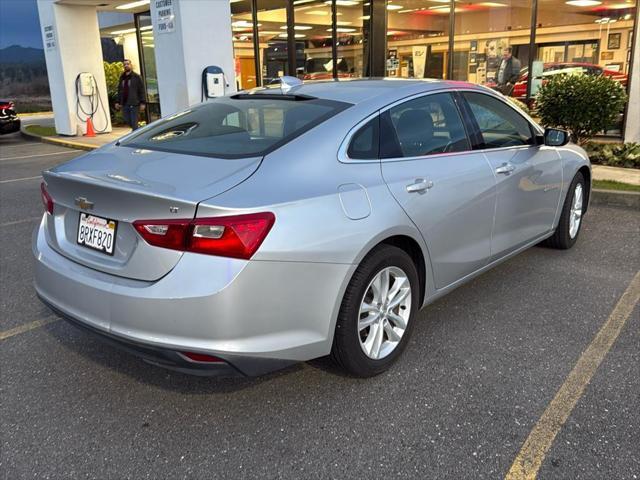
(298, 221)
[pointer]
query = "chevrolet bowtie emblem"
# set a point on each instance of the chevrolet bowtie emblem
(83, 203)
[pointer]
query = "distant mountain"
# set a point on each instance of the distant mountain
(20, 55)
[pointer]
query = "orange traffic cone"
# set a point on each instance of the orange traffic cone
(90, 131)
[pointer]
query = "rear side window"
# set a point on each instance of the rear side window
(424, 126)
(500, 125)
(235, 128)
(364, 144)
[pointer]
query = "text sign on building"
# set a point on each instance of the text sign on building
(166, 19)
(49, 37)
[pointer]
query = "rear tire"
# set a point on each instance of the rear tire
(570, 223)
(375, 321)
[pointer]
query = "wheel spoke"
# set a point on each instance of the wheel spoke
(400, 297)
(391, 333)
(397, 319)
(368, 321)
(367, 308)
(397, 287)
(377, 341)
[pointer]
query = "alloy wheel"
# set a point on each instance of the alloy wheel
(384, 312)
(575, 215)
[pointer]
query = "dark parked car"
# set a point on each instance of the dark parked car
(9, 121)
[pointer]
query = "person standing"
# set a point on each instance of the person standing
(130, 95)
(509, 71)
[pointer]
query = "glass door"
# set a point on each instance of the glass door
(146, 49)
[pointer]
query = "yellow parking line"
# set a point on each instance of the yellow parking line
(533, 451)
(26, 327)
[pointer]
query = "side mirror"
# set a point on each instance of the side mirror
(554, 137)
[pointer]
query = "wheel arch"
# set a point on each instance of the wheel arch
(586, 174)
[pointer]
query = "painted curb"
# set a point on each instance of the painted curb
(616, 198)
(69, 143)
(56, 141)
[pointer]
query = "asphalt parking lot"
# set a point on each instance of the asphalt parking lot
(484, 364)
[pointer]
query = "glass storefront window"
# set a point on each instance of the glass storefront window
(352, 17)
(243, 54)
(313, 40)
(584, 39)
(492, 44)
(417, 39)
(272, 34)
(148, 63)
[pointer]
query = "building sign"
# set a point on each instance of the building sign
(165, 16)
(49, 37)
(419, 53)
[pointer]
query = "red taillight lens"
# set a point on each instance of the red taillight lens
(202, 357)
(237, 236)
(47, 201)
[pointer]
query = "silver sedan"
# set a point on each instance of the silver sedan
(294, 222)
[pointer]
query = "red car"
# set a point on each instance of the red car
(550, 69)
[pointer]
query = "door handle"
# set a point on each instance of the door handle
(505, 169)
(420, 185)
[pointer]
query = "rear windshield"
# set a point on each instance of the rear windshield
(235, 127)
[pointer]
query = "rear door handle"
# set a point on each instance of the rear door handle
(420, 185)
(505, 169)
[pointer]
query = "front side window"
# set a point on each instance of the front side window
(500, 125)
(424, 126)
(235, 127)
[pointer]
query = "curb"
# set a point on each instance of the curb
(616, 198)
(68, 143)
(56, 141)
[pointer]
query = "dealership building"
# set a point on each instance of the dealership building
(173, 43)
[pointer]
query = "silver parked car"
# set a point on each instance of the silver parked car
(285, 224)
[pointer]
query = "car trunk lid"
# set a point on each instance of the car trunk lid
(125, 184)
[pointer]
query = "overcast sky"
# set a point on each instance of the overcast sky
(19, 23)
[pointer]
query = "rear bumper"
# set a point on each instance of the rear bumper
(258, 316)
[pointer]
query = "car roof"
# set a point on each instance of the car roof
(357, 91)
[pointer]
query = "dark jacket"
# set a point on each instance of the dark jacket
(136, 89)
(512, 70)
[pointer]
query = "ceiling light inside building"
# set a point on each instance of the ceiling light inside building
(394, 7)
(123, 32)
(583, 3)
(343, 3)
(297, 35)
(297, 27)
(343, 30)
(128, 6)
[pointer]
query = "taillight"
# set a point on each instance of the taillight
(47, 201)
(237, 236)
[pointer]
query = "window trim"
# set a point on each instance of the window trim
(468, 122)
(534, 127)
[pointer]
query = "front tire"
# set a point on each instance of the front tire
(570, 223)
(377, 312)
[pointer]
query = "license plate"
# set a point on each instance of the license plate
(97, 233)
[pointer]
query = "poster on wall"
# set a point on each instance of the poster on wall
(419, 54)
(165, 16)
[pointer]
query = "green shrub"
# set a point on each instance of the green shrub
(112, 72)
(614, 155)
(582, 104)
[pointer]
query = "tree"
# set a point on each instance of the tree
(583, 104)
(112, 72)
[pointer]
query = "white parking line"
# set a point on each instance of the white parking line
(38, 155)
(20, 179)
